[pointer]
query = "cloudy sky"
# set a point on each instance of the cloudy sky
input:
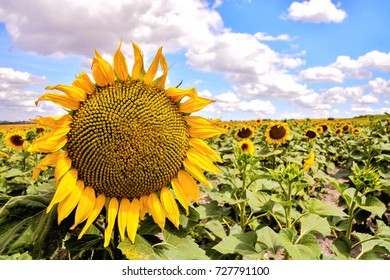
(269, 59)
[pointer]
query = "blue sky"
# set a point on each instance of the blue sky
(258, 59)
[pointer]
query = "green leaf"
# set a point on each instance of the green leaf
(314, 224)
(308, 247)
(257, 200)
(25, 226)
(180, 246)
(374, 205)
(216, 228)
(140, 250)
(324, 209)
(210, 210)
(342, 247)
(244, 244)
(268, 239)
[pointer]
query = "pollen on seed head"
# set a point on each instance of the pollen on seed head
(127, 140)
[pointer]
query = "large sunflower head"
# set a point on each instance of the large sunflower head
(244, 132)
(310, 134)
(16, 140)
(277, 133)
(127, 144)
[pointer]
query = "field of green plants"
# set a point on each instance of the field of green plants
(296, 189)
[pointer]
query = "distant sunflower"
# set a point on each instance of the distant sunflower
(247, 146)
(338, 131)
(277, 133)
(244, 132)
(15, 140)
(127, 144)
(311, 134)
(325, 128)
(3, 154)
(346, 128)
(309, 162)
(320, 130)
(356, 132)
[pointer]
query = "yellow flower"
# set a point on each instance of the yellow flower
(3, 154)
(15, 140)
(356, 132)
(309, 162)
(244, 132)
(247, 146)
(127, 144)
(277, 133)
(311, 134)
(338, 131)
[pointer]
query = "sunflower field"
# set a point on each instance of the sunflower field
(293, 189)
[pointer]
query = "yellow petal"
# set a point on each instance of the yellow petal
(148, 79)
(84, 82)
(120, 65)
(202, 161)
(180, 194)
(194, 104)
(177, 94)
(111, 216)
(49, 160)
(102, 71)
(60, 99)
(191, 189)
(169, 204)
(48, 147)
(73, 92)
(196, 120)
(204, 149)
(122, 216)
(65, 187)
(163, 78)
(156, 210)
(65, 120)
(97, 208)
(138, 67)
(196, 172)
(85, 206)
(66, 206)
(62, 166)
(132, 219)
(143, 207)
(205, 131)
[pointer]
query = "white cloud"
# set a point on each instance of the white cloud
(228, 97)
(344, 62)
(376, 60)
(257, 106)
(263, 36)
(339, 95)
(65, 27)
(323, 74)
(316, 11)
(380, 85)
(368, 99)
(17, 100)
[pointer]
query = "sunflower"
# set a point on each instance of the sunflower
(3, 154)
(338, 131)
(15, 140)
(244, 132)
(356, 132)
(247, 146)
(346, 128)
(309, 162)
(127, 144)
(325, 127)
(277, 133)
(311, 134)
